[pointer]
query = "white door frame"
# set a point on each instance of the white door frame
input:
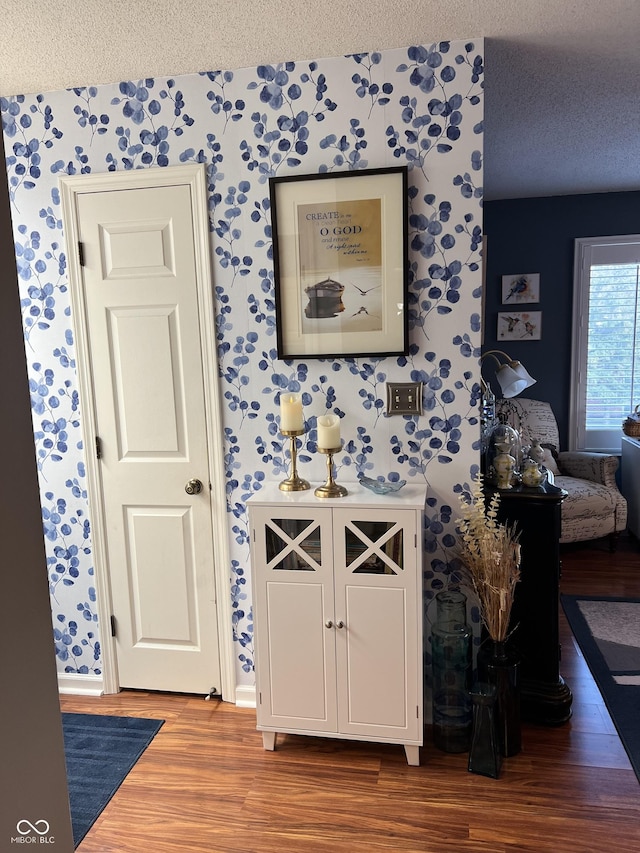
(70, 188)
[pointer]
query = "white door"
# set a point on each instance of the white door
(139, 279)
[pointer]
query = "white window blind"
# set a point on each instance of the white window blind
(606, 342)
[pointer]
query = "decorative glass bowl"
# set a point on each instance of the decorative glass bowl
(381, 487)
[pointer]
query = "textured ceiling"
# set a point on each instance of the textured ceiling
(562, 109)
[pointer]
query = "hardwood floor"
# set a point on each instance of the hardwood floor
(205, 784)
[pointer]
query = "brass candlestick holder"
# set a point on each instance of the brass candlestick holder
(330, 489)
(293, 483)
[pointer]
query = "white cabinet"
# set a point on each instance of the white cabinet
(337, 590)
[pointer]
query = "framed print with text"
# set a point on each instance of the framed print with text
(340, 263)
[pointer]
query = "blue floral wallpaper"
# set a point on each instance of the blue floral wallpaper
(421, 105)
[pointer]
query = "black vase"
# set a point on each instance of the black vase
(485, 756)
(497, 665)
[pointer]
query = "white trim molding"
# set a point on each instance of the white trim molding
(590, 251)
(80, 685)
(246, 696)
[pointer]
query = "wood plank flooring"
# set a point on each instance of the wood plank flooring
(206, 785)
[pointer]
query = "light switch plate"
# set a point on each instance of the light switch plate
(404, 398)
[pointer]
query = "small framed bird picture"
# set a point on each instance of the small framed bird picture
(521, 289)
(519, 325)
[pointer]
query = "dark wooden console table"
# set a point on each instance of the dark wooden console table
(545, 698)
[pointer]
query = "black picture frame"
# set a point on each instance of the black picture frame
(340, 263)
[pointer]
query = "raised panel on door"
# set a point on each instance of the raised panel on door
(150, 414)
(162, 578)
(373, 664)
(298, 648)
(293, 591)
(377, 651)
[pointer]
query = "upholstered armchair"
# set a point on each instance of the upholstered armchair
(594, 506)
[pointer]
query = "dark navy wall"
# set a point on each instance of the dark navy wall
(536, 235)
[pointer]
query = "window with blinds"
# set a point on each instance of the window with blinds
(606, 341)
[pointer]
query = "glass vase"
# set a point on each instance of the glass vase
(503, 443)
(498, 666)
(484, 754)
(451, 656)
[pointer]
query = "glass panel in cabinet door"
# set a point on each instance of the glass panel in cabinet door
(296, 554)
(375, 549)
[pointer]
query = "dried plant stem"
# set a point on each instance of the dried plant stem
(491, 554)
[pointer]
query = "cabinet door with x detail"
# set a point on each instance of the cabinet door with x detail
(378, 650)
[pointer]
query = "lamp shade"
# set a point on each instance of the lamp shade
(513, 379)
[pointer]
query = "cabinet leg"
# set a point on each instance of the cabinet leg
(413, 754)
(269, 740)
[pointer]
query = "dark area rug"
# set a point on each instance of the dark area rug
(100, 751)
(608, 633)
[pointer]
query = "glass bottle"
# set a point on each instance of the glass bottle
(451, 656)
(484, 754)
(503, 454)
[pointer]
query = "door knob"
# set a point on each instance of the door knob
(328, 624)
(193, 487)
(339, 624)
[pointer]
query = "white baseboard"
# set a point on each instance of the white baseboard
(80, 685)
(92, 685)
(245, 696)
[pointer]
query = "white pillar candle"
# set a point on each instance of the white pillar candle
(291, 419)
(328, 432)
